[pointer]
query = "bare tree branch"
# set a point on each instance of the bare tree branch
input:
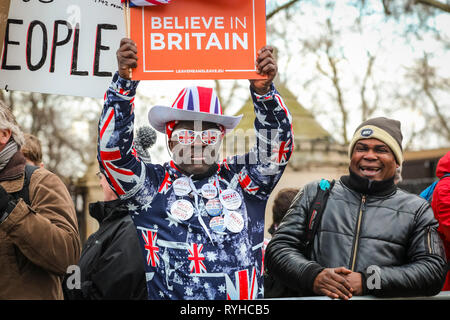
(321, 70)
(281, 8)
(426, 72)
(366, 110)
(437, 109)
(389, 6)
(336, 83)
(46, 116)
(387, 10)
(435, 4)
(339, 97)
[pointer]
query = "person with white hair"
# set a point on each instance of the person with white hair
(39, 235)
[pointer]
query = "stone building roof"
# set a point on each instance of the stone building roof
(425, 154)
(313, 146)
(304, 125)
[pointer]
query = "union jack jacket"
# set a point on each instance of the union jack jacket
(185, 259)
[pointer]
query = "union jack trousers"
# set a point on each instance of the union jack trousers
(183, 260)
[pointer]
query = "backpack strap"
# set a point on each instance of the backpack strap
(315, 212)
(25, 192)
(446, 175)
(427, 194)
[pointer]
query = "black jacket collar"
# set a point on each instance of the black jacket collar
(109, 210)
(366, 186)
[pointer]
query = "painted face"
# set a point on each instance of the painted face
(195, 151)
(373, 159)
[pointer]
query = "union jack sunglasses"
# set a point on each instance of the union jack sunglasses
(187, 137)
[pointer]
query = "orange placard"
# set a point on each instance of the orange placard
(199, 39)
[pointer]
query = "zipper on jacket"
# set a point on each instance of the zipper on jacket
(429, 241)
(358, 229)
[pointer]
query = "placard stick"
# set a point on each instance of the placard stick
(128, 19)
(125, 19)
(129, 33)
(126, 16)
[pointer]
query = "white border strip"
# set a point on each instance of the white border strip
(229, 70)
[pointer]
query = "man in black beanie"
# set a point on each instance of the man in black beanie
(372, 237)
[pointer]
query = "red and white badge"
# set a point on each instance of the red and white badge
(213, 207)
(181, 186)
(209, 191)
(182, 210)
(234, 221)
(230, 199)
(217, 224)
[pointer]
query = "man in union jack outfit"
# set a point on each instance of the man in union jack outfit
(200, 222)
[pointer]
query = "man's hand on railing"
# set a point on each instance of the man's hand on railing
(332, 282)
(355, 281)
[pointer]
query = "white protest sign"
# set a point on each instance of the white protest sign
(61, 47)
(4, 9)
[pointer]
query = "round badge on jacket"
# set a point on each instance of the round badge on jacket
(234, 221)
(181, 186)
(182, 210)
(230, 199)
(209, 191)
(213, 207)
(217, 224)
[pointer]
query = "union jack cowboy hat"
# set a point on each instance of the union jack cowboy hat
(192, 104)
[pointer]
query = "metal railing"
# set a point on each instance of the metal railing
(443, 295)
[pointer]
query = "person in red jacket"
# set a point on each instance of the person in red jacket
(441, 207)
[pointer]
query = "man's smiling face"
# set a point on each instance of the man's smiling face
(373, 159)
(198, 157)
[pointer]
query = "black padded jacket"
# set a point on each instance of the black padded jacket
(373, 228)
(111, 263)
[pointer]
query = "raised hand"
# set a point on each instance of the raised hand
(265, 65)
(126, 57)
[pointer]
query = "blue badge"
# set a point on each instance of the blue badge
(366, 132)
(213, 207)
(217, 224)
(324, 184)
